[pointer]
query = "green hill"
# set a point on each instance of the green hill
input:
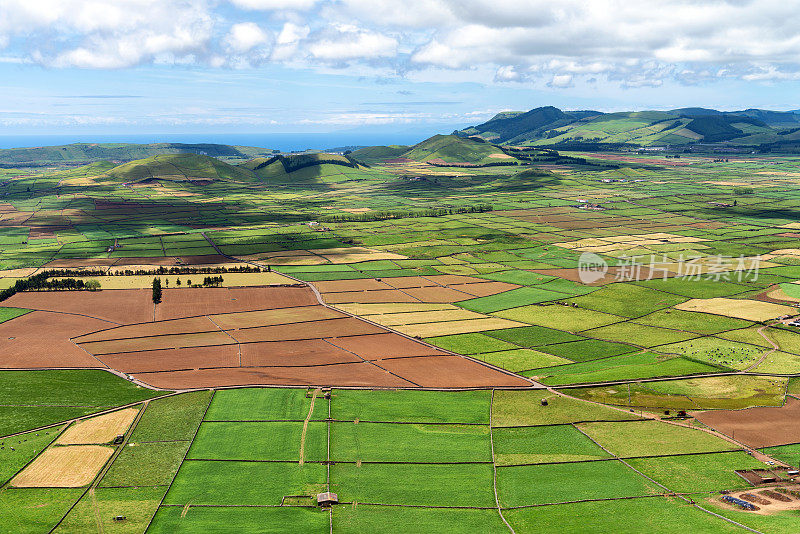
(517, 128)
(378, 154)
(320, 166)
(179, 168)
(82, 153)
(550, 126)
(455, 149)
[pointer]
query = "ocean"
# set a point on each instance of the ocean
(285, 142)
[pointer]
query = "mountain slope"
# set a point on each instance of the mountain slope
(79, 153)
(179, 168)
(455, 149)
(550, 126)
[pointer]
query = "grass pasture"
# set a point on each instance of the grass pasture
(651, 438)
(570, 482)
(544, 444)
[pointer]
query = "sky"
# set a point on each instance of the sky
(271, 66)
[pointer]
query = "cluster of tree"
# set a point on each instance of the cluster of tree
(384, 215)
(42, 282)
(213, 281)
(189, 270)
(473, 165)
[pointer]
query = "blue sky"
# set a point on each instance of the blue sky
(194, 66)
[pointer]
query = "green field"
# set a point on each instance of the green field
(652, 438)
(604, 356)
(543, 444)
(32, 399)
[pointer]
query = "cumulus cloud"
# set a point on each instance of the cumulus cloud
(343, 42)
(99, 34)
(517, 40)
(245, 36)
(561, 81)
(274, 4)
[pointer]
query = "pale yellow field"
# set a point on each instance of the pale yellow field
(64, 467)
(101, 429)
(324, 255)
(625, 242)
(456, 327)
(355, 254)
(751, 310)
(455, 314)
(392, 307)
(170, 281)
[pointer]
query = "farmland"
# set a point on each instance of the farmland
(415, 333)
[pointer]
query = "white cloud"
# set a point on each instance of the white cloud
(344, 42)
(274, 4)
(245, 36)
(288, 40)
(508, 73)
(536, 41)
(561, 81)
(101, 34)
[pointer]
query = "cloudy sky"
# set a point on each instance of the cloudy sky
(328, 65)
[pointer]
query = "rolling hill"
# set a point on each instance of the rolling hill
(551, 126)
(83, 153)
(179, 168)
(456, 149)
(376, 154)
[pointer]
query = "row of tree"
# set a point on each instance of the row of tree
(42, 282)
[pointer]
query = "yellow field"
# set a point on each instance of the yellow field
(626, 241)
(64, 467)
(100, 429)
(355, 254)
(751, 310)
(456, 327)
(230, 280)
(392, 307)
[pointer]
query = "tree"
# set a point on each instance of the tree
(156, 290)
(92, 285)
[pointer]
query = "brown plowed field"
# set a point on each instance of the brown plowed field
(275, 317)
(41, 339)
(484, 289)
(758, 427)
(451, 279)
(437, 294)
(614, 274)
(338, 286)
(207, 337)
(295, 353)
(122, 306)
(317, 329)
(385, 295)
(449, 372)
(403, 282)
(173, 359)
(384, 345)
(210, 301)
(158, 342)
(178, 326)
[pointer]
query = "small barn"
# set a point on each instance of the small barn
(327, 499)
